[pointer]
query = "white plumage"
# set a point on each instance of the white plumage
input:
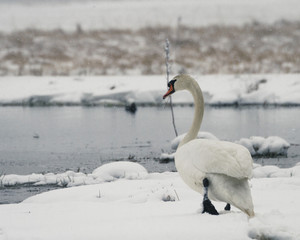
(227, 166)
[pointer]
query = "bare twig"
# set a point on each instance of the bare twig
(176, 195)
(2, 176)
(99, 194)
(167, 50)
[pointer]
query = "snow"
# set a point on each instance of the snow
(201, 135)
(127, 14)
(118, 90)
(152, 206)
(120, 170)
(127, 170)
(275, 172)
(105, 173)
(272, 146)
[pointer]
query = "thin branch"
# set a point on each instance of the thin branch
(167, 50)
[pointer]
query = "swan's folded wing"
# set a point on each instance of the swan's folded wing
(221, 157)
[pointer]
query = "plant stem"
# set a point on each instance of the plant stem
(167, 50)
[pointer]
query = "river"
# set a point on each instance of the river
(57, 139)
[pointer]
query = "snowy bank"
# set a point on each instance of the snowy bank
(148, 90)
(159, 206)
(119, 170)
(105, 173)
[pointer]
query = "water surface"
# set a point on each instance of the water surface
(56, 139)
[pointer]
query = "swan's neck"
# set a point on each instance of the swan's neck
(195, 90)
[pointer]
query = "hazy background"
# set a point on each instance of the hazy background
(124, 37)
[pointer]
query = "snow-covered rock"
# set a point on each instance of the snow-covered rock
(270, 146)
(275, 172)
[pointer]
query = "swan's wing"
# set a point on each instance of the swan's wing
(221, 157)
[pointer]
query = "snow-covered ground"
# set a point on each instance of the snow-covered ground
(153, 206)
(135, 14)
(118, 90)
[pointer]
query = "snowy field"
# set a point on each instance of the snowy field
(148, 90)
(135, 14)
(132, 204)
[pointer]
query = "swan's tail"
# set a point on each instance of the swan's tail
(250, 213)
(233, 191)
(243, 199)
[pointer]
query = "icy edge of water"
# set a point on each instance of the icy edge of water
(105, 173)
(120, 170)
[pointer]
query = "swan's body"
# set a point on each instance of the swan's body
(227, 166)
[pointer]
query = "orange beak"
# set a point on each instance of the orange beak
(169, 92)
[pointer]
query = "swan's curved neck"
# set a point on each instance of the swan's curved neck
(195, 90)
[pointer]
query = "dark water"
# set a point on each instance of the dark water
(56, 139)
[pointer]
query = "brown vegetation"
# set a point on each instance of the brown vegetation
(252, 48)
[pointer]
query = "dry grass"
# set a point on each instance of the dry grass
(252, 48)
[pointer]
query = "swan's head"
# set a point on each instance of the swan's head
(179, 82)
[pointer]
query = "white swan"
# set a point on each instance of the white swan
(218, 170)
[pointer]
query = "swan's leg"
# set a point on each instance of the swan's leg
(227, 207)
(207, 205)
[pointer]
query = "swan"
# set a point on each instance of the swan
(218, 170)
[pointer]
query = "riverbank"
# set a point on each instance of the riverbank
(218, 90)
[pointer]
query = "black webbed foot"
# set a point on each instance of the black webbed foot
(227, 207)
(208, 207)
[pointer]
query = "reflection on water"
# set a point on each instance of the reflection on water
(55, 139)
